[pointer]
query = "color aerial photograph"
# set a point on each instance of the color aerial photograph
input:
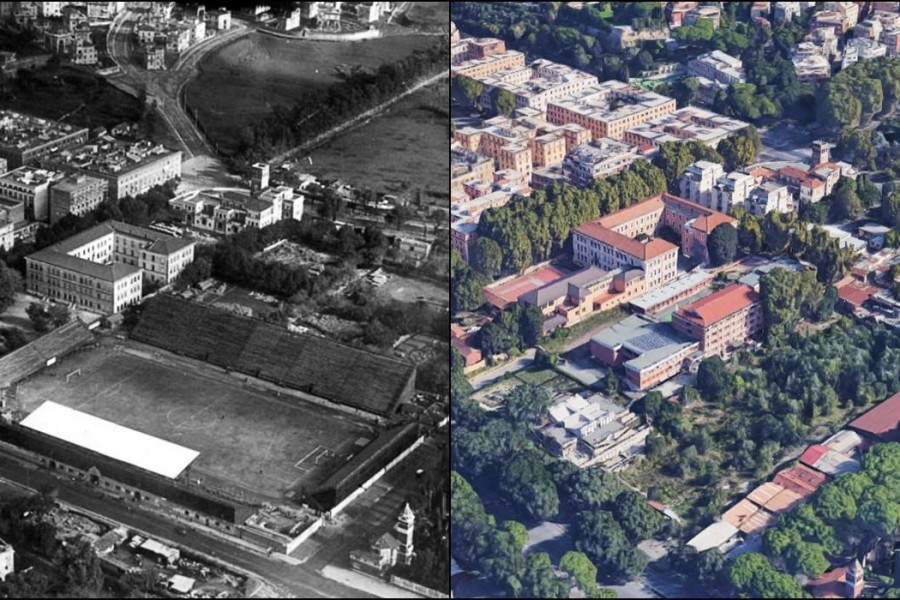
(675, 299)
(224, 300)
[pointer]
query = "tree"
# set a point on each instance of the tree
(890, 209)
(10, 283)
(834, 504)
(59, 314)
(526, 404)
(39, 316)
(638, 519)
(752, 574)
(503, 102)
(517, 530)
(470, 88)
(531, 326)
(539, 580)
(526, 482)
(332, 204)
(713, 379)
(738, 150)
(601, 538)
(487, 257)
(722, 244)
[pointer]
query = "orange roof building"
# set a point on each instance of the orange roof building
(722, 320)
(613, 241)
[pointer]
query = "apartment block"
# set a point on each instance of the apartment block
(721, 321)
(698, 180)
(160, 257)
(468, 166)
(609, 109)
(719, 67)
(768, 197)
(539, 84)
(25, 140)
(548, 149)
(77, 195)
(686, 124)
(479, 58)
(131, 168)
(857, 49)
(597, 160)
(31, 186)
(730, 190)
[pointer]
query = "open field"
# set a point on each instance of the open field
(403, 148)
(406, 289)
(429, 13)
(242, 83)
(248, 440)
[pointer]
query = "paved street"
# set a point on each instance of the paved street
(493, 375)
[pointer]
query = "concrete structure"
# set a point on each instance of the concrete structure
(722, 321)
(718, 67)
(228, 212)
(624, 36)
(468, 166)
(131, 168)
(218, 20)
(289, 21)
(858, 49)
(31, 186)
(811, 68)
(7, 560)
(651, 352)
(698, 180)
(25, 140)
(77, 195)
(609, 109)
(482, 57)
(588, 431)
(597, 160)
(769, 196)
(101, 269)
(730, 190)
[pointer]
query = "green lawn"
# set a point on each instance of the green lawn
(536, 376)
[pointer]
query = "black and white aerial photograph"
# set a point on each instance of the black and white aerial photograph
(225, 351)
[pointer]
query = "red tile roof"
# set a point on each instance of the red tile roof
(856, 293)
(456, 331)
(762, 172)
(812, 454)
(882, 421)
(718, 305)
(632, 212)
(800, 479)
(707, 223)
(623, 243)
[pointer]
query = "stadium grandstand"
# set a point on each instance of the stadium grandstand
(306, 363)
(386, 447)
(109, 439)
(43, 352)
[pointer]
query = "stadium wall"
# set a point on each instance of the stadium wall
(375, 457)
(83, 460)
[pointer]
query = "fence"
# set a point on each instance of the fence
(417, 588)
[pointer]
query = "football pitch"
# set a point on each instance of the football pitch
(252, 444)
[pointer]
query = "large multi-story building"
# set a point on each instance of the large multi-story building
(479, 58)
(25, 140)
(597, 160)
(858, 49)
(537, 85)
(651, 352)
(508, 144)
(686, 124)
(624, 239)
(717, 66)
(228, 212)
(468, 166)
(721, 321)
(77, 195)
(730, 190)
(131, 168)
(101, 269)
(769, 196)
(31, 186)
(698, 180)
(609, 109)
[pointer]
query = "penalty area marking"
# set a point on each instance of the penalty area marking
(310, 453)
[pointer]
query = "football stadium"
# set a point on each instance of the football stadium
(214, 412)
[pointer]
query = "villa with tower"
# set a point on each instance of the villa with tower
(389, 549)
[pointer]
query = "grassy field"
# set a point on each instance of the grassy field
(248, 440)
(241, 83)
(406, 289)
(429, 13)
(404, 148)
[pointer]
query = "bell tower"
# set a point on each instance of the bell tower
(404, 527)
